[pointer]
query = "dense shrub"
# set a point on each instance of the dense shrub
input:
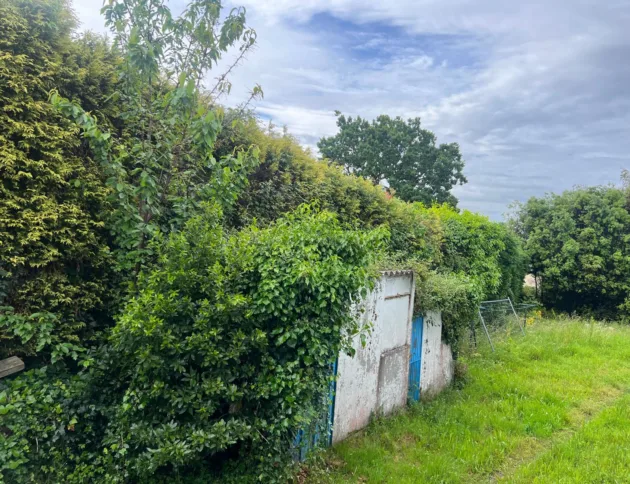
(221, 357)
(578, 244)
(54, 250)
(488, 252)
(455, 295)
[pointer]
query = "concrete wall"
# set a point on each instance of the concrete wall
(437, 358)
(375, 380)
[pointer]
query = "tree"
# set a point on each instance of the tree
(398, 152)
(578, 246)
(160, 167)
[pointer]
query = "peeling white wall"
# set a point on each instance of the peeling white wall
(437, 357)
(376, 379)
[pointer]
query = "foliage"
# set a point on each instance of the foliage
(221, 357)
(578, 247)
(547, 408)
(161, 166)
(455, 295)
(288, 176)
(36, 330)
(400, 152)
(54, 253)
(439, 238)
(488, 252)
(240, 299)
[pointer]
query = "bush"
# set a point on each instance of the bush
(488, 252)
(578, 247)
(455, 295)
(221, 357)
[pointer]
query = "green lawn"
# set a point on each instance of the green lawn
(553, 406)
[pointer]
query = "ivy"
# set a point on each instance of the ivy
(38, 330)
(211, 369)
(456, 296)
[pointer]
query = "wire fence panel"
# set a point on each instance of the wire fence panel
(500, 315)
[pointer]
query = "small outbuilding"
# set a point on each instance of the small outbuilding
(403, 358)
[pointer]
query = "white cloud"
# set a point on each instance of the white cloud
(537, 93)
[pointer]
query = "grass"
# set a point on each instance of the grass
(553, 406)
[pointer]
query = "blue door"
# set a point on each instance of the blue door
(415, 361)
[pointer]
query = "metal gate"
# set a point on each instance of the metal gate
(415, 361)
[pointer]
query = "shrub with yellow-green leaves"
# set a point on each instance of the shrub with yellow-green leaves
(54, 253)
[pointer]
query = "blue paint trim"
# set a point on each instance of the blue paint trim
(331, 408)
(415, 359)
(307, 439)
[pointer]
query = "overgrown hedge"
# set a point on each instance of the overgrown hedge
(224, 354)
(481, 258)
(226, 330)
(54, 249)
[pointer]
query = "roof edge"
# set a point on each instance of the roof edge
(402, 272)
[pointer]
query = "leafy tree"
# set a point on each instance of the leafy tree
(399, 152)
(488, 252)
(55, 278)
(161, 166)
(578, 245)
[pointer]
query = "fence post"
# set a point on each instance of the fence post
(516, 316)
(486, 330)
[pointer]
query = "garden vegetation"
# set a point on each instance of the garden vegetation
(579, 250)
(179, 278)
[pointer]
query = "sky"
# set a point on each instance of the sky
(537, 93)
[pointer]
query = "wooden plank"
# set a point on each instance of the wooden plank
(10, 366)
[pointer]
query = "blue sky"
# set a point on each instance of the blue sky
(536, 93)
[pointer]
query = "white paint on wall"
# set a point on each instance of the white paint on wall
(375, 380)
(437, 357)
(393, 382)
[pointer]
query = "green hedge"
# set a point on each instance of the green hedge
(224, 354)
(54, 250)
